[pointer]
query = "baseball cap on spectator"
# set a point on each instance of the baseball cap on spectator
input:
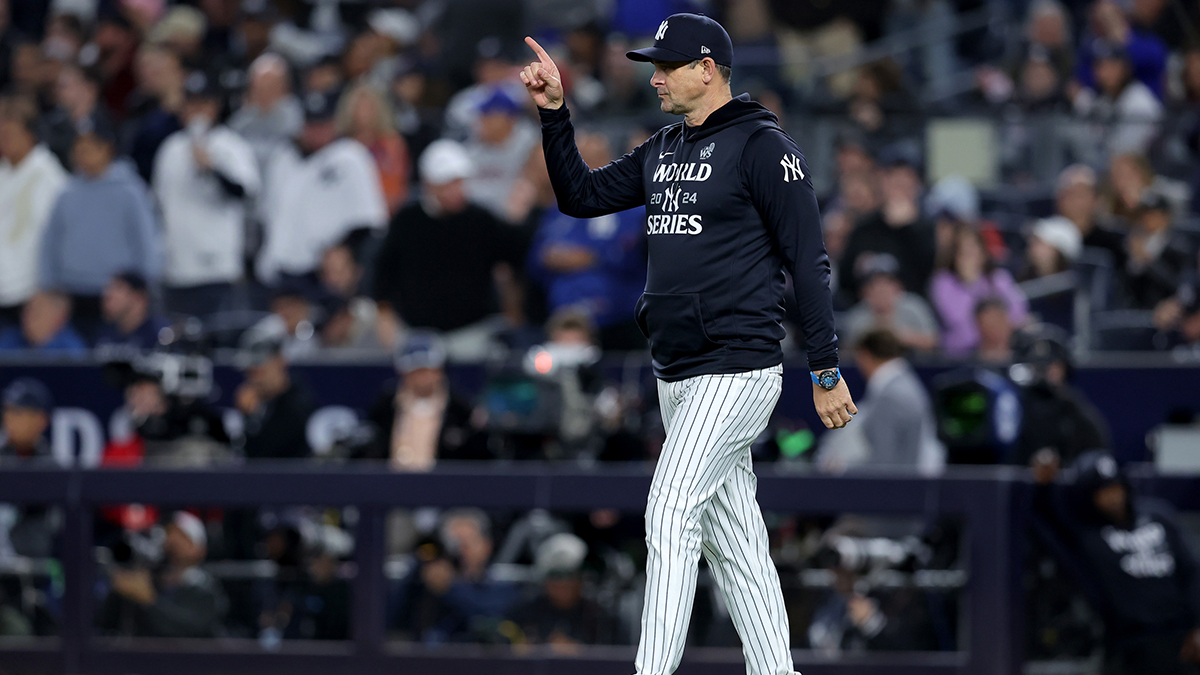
(560, 555)
(876, 265)
(1061, 233)
(28, 394)
(321, 106)
(901, 153)
(687, 37)
(954, 197)
(261, 343)
(201, 85)
(396, 24)
(1074, 175)
(97, 125)
(445, 161)
(422, 349)
(500, 102)
(191, 526)
(134, 280)
(181, 23)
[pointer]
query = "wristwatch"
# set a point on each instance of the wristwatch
(828, 378)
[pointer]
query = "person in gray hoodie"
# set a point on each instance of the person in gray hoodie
(102, 224)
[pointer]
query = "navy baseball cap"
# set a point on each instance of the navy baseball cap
(422, 349)
(29, 394)
(688, 37)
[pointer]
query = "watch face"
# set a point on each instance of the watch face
(829, 379)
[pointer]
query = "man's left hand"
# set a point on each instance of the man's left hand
(835, 406)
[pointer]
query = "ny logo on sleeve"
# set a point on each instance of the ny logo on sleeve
(791, 168)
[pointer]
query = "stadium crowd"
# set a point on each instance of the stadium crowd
(299, 179)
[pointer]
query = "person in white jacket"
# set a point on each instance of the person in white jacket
(204, 177)
(30, 180)
(316, 192)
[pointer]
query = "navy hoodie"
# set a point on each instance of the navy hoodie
(729, 207)
(1142, 568)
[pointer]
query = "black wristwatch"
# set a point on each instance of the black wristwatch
(827, 379)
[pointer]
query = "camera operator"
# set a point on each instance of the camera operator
(857, 617)
(1130, 553)
(418, 419)
(275, 406)
(178, 600)
(1057, 417)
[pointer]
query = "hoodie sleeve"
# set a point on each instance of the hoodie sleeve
(583, 192)
(777, 177)
(143, 235)
(49, 272)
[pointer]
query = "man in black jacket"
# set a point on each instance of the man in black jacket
(730, 206)
(1134, 559)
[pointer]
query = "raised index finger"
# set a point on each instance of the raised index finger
(541, 53)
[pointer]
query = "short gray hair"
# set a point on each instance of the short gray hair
(725, 71)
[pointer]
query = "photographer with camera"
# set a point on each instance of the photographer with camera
(178, 599)
(276, 407)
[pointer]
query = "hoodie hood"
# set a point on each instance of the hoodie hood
(739, 109)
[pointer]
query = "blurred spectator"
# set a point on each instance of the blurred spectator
(417, 419)
(885, 304)
(204, 176)
(157, 106)
(1128, 110)
(177, 428)
(270, 115)
(1109, 28)
(45, 327)
(1076, 200)
(365, 116)
(475, 593)
(323, 612)
(1158, 258)
(425, 614)
(598, 264)
(879, 100)
(315, 194)
(26, 417)
(117, 43)
(1044, 65)
(77, 98)
(896, 423)
(437, 267)
(102, 224)
(896, 227)
(494, 67)
(417, 121)
(1131, 553)
(499, 145)
(276, 407)
(294, 317)
(30, 182)
(560, 615)
(179, 600)
(856, 618)
(129, 319)
(966, 275)
(181, 29)
(995, 328)
(1056, 417)
(1054, 243)
(1179, 315)
(351, 319)
(1129, 175)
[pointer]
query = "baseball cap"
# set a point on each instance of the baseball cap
(262, 342)
(498, 101)
(560, 555)
(191, 526)
(29, 394)
(1061, 233)
(445, 161)
(1076, 174)
(687, 37)
(878, 264)
(422, 349)
(320, 106)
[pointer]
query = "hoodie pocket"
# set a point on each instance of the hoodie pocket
(674, 324)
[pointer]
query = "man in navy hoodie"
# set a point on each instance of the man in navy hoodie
(730, 206)
(1134, 562)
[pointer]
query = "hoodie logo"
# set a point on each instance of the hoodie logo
(662, 31)
(671, 199)
(791, 168)
(706, 152)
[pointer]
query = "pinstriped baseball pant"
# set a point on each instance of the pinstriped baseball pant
(702, 499)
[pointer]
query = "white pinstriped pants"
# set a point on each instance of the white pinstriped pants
(702, 500)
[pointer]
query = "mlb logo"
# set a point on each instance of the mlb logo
(707, 151)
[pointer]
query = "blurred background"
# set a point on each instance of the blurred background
(303, 371)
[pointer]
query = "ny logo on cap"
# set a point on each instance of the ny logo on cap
(662, 31)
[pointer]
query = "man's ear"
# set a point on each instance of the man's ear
(710, 69)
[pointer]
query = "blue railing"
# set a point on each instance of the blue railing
(987, 501)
